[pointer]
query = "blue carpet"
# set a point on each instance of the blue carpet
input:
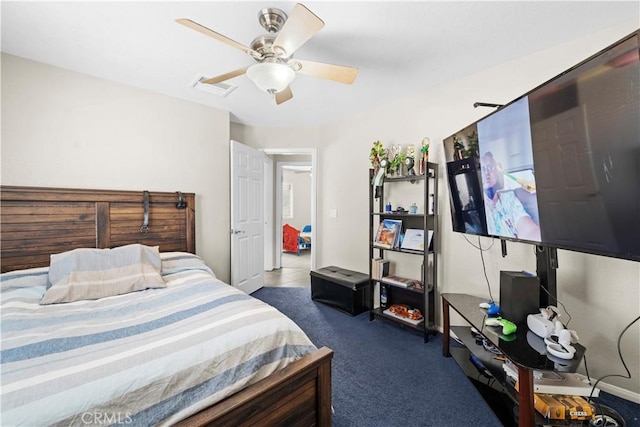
(384, 375)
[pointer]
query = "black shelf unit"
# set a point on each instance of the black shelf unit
(424, 299)
(513, 407)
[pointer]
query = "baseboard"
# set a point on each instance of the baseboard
(616, 391)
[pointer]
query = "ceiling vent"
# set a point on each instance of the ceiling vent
(220, 89)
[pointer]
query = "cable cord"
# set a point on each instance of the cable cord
(478, 247)
(628, 376)
(561, 304)
(593, 388)
(484, 268)
(535, 249)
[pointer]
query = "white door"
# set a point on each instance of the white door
(247, 218)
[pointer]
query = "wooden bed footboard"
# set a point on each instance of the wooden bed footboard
(298, 395)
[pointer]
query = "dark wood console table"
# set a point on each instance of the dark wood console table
(516, 347)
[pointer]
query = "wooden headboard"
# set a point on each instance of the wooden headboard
(37, 222)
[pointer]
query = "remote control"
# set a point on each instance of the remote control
(480, 366)
(508, 327)
(491, 307)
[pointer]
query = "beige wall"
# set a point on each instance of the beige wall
(602, 294)
(261, 137)
(301, 184)
(65, 129)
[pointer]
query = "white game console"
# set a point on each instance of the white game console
(539, 325)
(558, 340)
(554, 382)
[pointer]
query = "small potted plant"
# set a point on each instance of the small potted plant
(473, 149)
(377, 154)
(458, 148)
(379, 158)
(424, 158)
(396, 163)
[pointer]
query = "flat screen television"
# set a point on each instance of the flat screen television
(560, 165)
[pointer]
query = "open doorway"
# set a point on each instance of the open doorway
(295, 185)
(291, 218)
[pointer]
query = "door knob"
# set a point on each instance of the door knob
(236, 231)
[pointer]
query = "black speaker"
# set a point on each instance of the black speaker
(519, 296)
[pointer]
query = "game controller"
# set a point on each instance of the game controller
(560, 344)
(492, 308)
(561, 350)
(508, 327)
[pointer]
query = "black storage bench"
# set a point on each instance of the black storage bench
(346, 290)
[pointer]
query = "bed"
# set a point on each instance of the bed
(150, 357)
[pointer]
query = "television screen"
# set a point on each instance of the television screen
(508, 179)
(586, 146)
(467, 206)
(559, 166)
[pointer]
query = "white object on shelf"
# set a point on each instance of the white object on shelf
(554, 382)
(413, 239)
(399, 281)
(564, 383)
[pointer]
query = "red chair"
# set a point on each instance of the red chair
(290, 239)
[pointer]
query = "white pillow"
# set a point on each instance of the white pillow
(25, 278)
(176, 262)
(88, 274)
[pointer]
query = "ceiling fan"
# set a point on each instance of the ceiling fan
(276, 67)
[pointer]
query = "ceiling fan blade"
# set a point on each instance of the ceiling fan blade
(226, 76)
(284, 95)
(299, 27)
(338, 73)
(224, 39)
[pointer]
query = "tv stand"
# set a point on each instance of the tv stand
(546, 265)
(517, 348)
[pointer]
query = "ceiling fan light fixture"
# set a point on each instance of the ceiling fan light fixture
(271, 77)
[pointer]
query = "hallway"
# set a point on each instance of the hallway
(294, 272)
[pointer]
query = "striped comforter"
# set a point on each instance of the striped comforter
(145, 358)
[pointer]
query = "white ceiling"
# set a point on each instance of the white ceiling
(398, 47)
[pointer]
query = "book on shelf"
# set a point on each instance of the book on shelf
(402, 282)
(388, 234)
(413, 239)
(379, 268)
(397, 223)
